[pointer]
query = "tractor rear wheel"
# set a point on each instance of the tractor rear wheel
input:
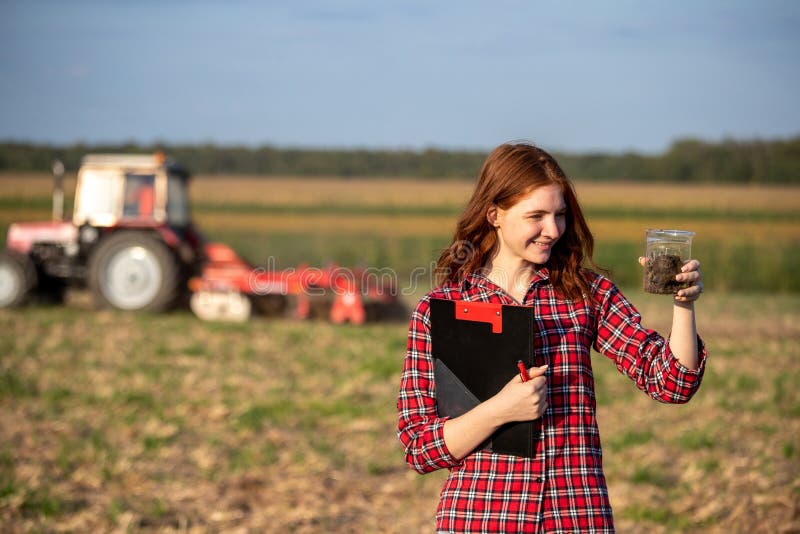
(134, 271)
(17, 278)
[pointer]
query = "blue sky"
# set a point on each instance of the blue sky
(568, 75)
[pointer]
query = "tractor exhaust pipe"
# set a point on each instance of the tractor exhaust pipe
(58, 190)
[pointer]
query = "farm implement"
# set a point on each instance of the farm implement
(132, 243)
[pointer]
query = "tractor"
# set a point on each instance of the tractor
(130, 240)
(132, 243)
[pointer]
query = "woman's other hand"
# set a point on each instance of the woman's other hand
(523, 401)
(517, 401)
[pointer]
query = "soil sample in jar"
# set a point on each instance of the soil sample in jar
(659, 275)
(666, 251)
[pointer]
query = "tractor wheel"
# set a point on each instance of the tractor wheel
(134, 271)
(17, 279)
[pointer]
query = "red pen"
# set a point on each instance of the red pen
(523, 373)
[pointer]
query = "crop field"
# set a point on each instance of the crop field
(118, 422)
(749, 235)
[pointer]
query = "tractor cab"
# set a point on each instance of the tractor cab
(130, 190)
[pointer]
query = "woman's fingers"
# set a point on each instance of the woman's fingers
(535, 372)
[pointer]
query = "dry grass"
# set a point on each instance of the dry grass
(631, 229)
(309, 191)
(713, 231)
(780, 199)
(604, 229)
(392, 193)
(331, 224)
(314, 191)
(30, 186)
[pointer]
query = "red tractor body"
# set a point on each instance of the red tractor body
(23, 236)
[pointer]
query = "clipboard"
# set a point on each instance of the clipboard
(475, 347)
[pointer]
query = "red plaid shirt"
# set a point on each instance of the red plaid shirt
(562, 488)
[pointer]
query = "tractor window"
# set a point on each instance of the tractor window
(96, 198)
(140, 194)
(177, 201)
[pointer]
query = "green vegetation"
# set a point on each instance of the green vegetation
(759, 265)
(746, 235)
(687, 160)
(660, 516)
(630, 439)
(650, 475)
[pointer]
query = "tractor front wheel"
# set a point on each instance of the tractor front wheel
(17, 278)
(134, 271)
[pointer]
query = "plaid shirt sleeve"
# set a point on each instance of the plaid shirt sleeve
(642, 354)
(420, 429)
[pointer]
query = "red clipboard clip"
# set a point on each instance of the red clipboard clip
(483, 312)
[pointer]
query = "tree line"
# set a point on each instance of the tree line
(686, 160)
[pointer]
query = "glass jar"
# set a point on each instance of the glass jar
(665, 253)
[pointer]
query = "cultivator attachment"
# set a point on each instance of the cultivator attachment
(221, 306)
(230, 289)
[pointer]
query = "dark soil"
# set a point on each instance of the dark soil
(659, 275)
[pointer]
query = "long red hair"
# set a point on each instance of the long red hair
(510, 172)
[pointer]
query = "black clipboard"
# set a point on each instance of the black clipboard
(475, 347)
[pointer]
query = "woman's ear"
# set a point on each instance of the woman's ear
(491, 215)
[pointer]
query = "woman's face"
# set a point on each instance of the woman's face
(529, 229)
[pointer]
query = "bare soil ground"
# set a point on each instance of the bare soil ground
(113, 422)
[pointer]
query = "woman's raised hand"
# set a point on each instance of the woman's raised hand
(690, 272)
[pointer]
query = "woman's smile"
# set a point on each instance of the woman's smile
(529, 229)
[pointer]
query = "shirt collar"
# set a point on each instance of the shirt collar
(478, 279)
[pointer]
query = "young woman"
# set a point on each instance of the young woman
(522, 239)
